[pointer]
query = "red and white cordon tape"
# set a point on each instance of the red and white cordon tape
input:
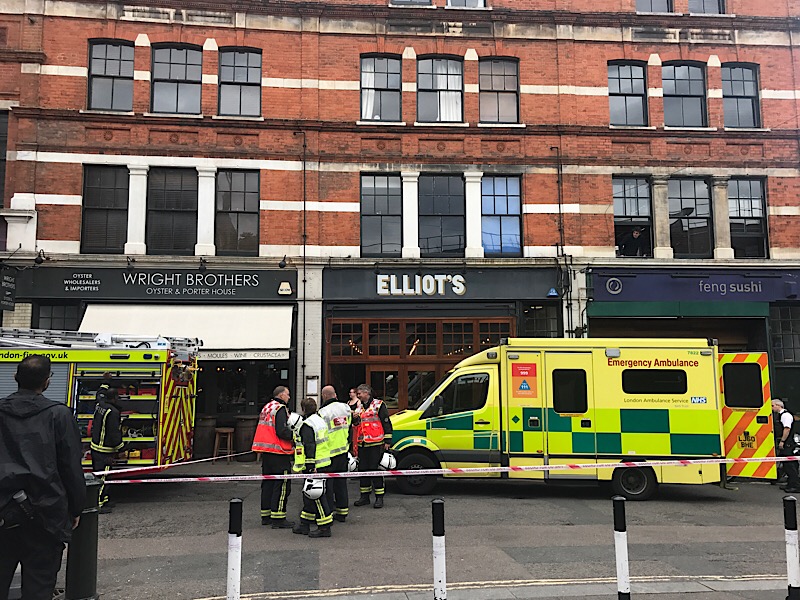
(465, 471)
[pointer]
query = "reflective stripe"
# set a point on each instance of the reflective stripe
(338, 417)
(323, 455)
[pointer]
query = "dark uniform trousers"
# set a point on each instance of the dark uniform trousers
(40, 554)
(791, 468)
(369, 458)
(336, 489)
(102, 461)
(275, 492)
(317, 510)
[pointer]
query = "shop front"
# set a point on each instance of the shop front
(401, 330)
(245, 318)
(744, 309)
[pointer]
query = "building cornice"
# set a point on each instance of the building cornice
(21, 56)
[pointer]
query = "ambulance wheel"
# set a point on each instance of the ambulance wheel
(634, 483)
(417, 485)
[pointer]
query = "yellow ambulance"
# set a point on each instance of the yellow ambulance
(589, 401)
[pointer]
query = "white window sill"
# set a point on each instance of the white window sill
(661, 14)
(412, 6)
(418, 124)
(386, 123)
(233, 118)
(634, 127)
(448, 7)
(116, 113)
(747, 129)
(502, 125)
(670, 128)
(727, 15)
(174, 115)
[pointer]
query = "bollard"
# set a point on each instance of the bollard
(792, 549)
(439, 558)
(82, 553)
(621, 547)
(235, 549)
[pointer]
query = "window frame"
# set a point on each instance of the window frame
(106, 249)
(556, 387)
(432, 58)
(177, 82)
(481, 4)
(763, 219)
(670, 7)
(645, 105)
(425, 252)
(627, 222)
(382, 253)
(681, 219)
(497, 93)
(36, 320)
(755, 100)
(152, 211)
(114, 78)
(646, 381)
(221, 83)
(703, 97)
(502, 216)
(721, 8)
(218, 211)
(380, 91)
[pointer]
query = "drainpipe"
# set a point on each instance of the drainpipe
(304, 278)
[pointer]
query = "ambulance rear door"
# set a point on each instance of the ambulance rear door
(523, 413)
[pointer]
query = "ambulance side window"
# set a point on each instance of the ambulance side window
(569, 391)
(741, 383)
(465, 393)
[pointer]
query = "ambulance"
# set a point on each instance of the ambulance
(588, 401)
(155, 378)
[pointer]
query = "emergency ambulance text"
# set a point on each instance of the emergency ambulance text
(647, 363)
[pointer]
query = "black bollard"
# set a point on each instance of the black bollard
(439, 557)
(234, 549)
(792, 551)
(621, 547)
(82, 553)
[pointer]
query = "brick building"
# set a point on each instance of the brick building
(370, 190)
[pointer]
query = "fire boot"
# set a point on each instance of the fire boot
(378, 501)
(324, 531)
(363, 501)
(301, 528)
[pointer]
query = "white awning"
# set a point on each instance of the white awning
(228, 332)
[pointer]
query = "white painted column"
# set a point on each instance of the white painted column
(310, 341)
(206, 204)
(662, 242)
(22, 223)
(474, 213)
(137, 209)
(722, 223)
(410, 214)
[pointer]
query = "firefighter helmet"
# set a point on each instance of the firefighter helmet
(388, 462)
(295, 422)
(352, 463)
(314, 488)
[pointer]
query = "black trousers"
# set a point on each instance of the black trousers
(336, 489)
(275, 492)
(102, 461)
(792, 469)
(40, 555)
(369, 457)
(317, 510)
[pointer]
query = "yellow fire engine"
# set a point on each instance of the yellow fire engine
(155, 378)
(589, 401)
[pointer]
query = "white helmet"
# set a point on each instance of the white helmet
(388, 462)
(314, 488)
(352, 463)
(295, 421)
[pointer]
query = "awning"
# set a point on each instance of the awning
(228, 332)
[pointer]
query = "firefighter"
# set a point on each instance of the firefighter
(274, 439)
(338, 417)
(106, 435)
(316, 455)
(373, 438)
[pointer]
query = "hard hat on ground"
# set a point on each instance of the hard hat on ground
(314, 488)
(352, 463)
(388, 462)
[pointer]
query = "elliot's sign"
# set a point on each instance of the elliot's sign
(420, 285)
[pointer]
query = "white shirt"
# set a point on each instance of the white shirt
(786, 419)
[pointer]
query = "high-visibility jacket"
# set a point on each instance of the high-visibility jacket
(370, 431)
(106, 433)
(322, 456)
(338, 416)
(266, 438)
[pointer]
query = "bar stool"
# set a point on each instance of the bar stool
(225, 433)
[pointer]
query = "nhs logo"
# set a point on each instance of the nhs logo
(699, 400)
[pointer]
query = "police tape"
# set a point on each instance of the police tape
(464, 471)
(159, 468)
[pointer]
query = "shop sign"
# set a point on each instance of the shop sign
(8, 288)
(243, 355)
(420, 285)
(719, 286)
(155, 284)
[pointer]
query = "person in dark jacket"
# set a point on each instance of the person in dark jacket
(40, 455)
(106, 435)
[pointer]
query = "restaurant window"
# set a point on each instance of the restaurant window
(237, 218)
(458, 339)
(748, 218)
(491, 333)
(707, 7)
(171, 211)
(104, 226)
(684, 95)
(540, 320)
(653, 5)
(381, 88)
(627, 94)
(384, 339)
(501, 222)
(440, 90)
(111, 75)
(740, 96)
(784, 323)
(499, 90)
(381, 216)
(239, 82)
(421, 338)
(690, 223)
(177, 77)
(633, 224)
(347, 339)
(442, 216)
(60, 317)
